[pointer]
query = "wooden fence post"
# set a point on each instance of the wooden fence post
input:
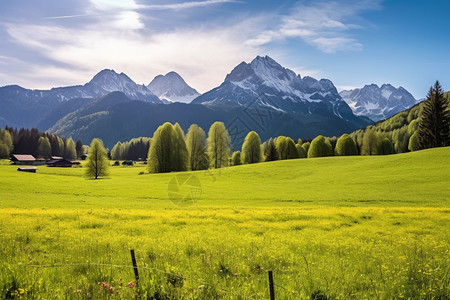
(271, 286)
(133, 259)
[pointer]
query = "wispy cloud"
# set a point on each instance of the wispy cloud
(132, 5)
(64, 17)
(185, 5)
(323, 24)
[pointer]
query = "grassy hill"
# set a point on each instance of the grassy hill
(409, 179)
(345, 227)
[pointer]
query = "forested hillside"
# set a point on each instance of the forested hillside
(398, 129)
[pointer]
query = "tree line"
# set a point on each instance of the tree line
(39, 144)
(135, 149)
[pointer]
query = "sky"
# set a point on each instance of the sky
(50, 43)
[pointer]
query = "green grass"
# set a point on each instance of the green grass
(351, 227)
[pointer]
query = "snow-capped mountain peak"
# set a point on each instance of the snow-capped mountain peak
(107, 81)
(376, 102)
(277, 87)
(111, 81)
(173, 88)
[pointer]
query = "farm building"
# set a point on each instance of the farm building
(127, 163)
(62, 163)
(27, 169)
(23, 159)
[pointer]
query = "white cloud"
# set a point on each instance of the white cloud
(122, 35)
(322, 24)
(204, 56)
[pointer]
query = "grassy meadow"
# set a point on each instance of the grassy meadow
(375, 227)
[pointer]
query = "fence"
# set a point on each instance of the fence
(135, 268)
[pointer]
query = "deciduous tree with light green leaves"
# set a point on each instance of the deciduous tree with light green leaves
(6, 143)
(218, 145)
(116, 152)
(44, 149)
(306, 147)
(320, 147)
(345, 146)
(180, 160)
(386, 147)
(97, 163)
(286, 148)
(370, 142)
(168, 152)
(236, 158)
(70, 151)
(413, 144)
(251, 149)
(196, 146)
(301, 151)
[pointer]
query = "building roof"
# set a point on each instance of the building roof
(55, 161)
(23, 157)
(56, 157)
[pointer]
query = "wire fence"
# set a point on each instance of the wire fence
(199, 281)
(144, 268)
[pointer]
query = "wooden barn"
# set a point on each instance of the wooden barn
(23, 159)
(61, 163)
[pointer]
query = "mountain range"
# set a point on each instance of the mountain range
(378, 103)
(265, 83)
(260, 95)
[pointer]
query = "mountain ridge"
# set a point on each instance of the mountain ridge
(378, 102)
(265, 83)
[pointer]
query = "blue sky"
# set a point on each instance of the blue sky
(51, 43)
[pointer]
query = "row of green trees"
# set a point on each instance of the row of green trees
(40, 144)
(68, 148)
(135, 149)
(170, 150)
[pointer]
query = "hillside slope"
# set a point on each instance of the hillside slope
(409, 179)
